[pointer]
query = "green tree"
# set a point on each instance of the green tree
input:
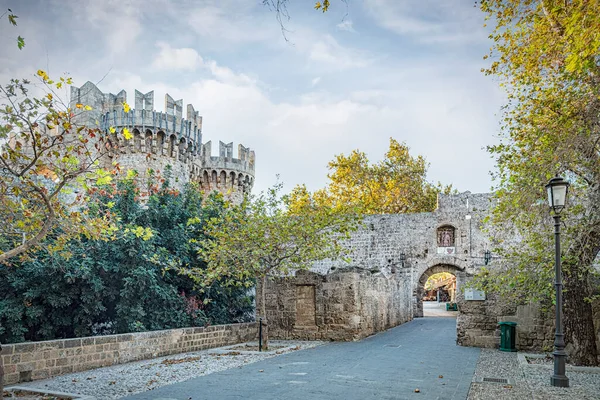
(397, 184)
(124, 284)
(44, 154)
(546, 56)
(262, 239)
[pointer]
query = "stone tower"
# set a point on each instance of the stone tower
(162, 139)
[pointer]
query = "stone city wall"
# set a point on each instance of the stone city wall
(344, 305)
(40, 360)
(477, 324)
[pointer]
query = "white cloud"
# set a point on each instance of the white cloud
(118, 22)
(430, 21)
(328, 51)
(315, 81)
(226, 75)
(176, 59)
(346, 25)
(231, 22)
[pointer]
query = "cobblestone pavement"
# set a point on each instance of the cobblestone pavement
(528, 381)
(420, 354)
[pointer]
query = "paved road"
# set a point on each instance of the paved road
(389, 365)
(435, 309)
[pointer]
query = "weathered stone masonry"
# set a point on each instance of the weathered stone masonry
(165, 138)
(449, 239)
(39, 360)
(344, 305)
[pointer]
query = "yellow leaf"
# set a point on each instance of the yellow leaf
(112, 129)
(88, 108)
(126, 107)
(79, 105)
(127, 134)
(49, 96)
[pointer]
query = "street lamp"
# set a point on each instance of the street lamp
(557, 197)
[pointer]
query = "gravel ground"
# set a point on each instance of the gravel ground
(126, 379)
(583, 385)
(531, 381)
(497, 364)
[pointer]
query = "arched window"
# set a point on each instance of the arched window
(446, 236)
(172, 152)
(205, 180)
(148, 148)
(160, 142)
(137, 140)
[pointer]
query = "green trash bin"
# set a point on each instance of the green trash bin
(508, 334)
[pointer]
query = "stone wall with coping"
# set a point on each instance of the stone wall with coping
(344, 305)
(40, 360)
(477, 324)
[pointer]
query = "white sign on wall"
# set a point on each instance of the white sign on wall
(473, 294)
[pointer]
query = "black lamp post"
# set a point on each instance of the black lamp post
(402, 259)
(557, 197)
(487, 256)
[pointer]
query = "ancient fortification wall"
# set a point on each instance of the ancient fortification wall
(344, 305)
(164, 138)
(391, 258)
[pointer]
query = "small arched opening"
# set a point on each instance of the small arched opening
(437, 291)
(137, 140)
(223, 179)
(205, 181)
(213, 179)
(446, 239)
(148, 143)
(182, 149)
(172, 148)
(160, 142)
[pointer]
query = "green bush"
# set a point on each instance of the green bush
(126, 284)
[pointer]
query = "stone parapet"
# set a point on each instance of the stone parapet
(346, 305)
(40, 360)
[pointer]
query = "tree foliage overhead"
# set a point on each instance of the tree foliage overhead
(397, 184)
(546, 54)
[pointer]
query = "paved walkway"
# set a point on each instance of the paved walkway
(389, 365)
(435, 309)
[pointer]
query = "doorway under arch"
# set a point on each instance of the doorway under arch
(421, 293)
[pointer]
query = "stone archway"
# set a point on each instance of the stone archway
(437, 268)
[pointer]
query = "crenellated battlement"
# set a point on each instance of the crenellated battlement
(165, 138)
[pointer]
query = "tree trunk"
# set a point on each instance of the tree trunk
(263, 314)
(1, 373)
(580, 335)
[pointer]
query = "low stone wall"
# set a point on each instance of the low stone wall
(477, 324)
(39, 360)
(344, 305)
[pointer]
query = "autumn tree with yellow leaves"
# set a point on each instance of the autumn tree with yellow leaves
(397, 184)
(546, 54)
(46, 159)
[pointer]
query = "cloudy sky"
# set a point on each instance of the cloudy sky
(348, 79)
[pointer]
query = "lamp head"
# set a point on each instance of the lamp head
(557, 193)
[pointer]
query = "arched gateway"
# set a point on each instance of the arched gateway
(419, 290)
(391, 257)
